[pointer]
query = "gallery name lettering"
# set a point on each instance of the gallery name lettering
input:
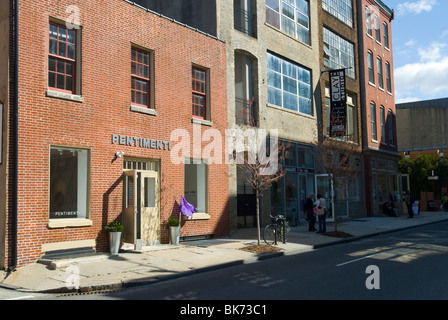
(140, 142)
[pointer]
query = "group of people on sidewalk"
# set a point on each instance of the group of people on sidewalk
(316, 209)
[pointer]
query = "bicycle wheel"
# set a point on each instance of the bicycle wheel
(287, 229)
(269, 234)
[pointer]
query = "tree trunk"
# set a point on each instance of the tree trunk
(257, 195)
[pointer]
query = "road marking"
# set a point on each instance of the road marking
(351, 261)
(20, 298)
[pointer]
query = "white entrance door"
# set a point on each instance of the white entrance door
(141, 207)
(324, 186)
(150, 207)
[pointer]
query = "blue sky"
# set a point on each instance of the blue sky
(420, 46)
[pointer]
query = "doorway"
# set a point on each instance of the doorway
(141, 207)
(324, 186)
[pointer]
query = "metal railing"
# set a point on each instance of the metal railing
(245, 112)
(244, 21)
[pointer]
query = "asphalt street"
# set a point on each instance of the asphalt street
(406, 265)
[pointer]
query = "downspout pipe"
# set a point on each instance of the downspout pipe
(15, 141)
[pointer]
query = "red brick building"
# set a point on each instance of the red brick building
(103, 100)
(382, 176)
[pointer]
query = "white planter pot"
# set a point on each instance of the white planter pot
(174, 235)
(114, 242)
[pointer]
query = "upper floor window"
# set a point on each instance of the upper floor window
(351, 125)
(341, 9)
(371, 67)
(377, 28)
(383, 124)
(386, 35)
(290, 16)
(199, 92)
(62, 58)
(289, 85)
(244, 17)
(140, 77)
(340, 53)
(388, 78)
(368, 21)
(380, 72)
(373, 121)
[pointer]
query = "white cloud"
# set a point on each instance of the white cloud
(427, 78)
(416, 7)
(432, 53)
(410, 43)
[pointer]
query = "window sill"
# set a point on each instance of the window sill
(68, 223)
(298, 113)
(288, 35)
(143, 110)
(200, 216)
(64, 96)
(202, 122)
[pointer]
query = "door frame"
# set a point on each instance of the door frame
(331, 193)
(132, 212)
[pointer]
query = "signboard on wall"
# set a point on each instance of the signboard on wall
(338, 103)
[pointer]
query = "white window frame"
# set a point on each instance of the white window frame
(280, 10)
(341, 9)
(337, 48)
(200, 179)
(83, 184)
(304, 102)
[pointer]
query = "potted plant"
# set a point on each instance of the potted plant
(174, 225)
(115, 228)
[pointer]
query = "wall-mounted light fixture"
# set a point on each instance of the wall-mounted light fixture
(119, 154)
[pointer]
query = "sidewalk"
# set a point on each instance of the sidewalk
(158, 263)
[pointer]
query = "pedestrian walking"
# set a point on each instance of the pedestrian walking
(309, 211)
(321, 214)
(408, 201)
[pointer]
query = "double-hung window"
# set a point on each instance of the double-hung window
(200, 90)
(371, 67)
(380, 72)
(62, 58)
(289, 85)
(383, 124)
(290, 16)
(373, 121)
(386, 35)
(368, 21)
(388, 78)
(377, 28)
(140, 77)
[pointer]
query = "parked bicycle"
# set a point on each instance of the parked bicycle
(278, 229)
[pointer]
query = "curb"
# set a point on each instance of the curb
(156, 279)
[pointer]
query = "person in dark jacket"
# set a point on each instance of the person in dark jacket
(309, 210)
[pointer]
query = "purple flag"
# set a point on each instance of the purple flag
(186, 208)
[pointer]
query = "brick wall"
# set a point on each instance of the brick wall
(373, 93)
(108, 29)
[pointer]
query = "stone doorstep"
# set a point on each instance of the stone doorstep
(55, 264)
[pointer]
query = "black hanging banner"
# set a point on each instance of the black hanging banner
(338, 103)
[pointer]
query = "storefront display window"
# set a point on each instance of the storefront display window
(69, 180)
(196, 185)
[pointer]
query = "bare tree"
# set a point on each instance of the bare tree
(258, 155)
(339, 159)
